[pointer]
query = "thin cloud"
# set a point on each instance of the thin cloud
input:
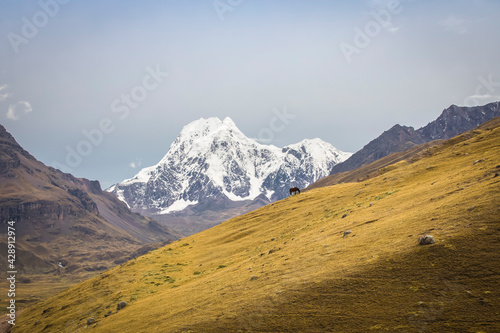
(454, 24)
(17, 109)
(3, 93)
(487, 96)
(393, 29)
(474, 100)
(135, 165)
(381, 8)
(262, 140)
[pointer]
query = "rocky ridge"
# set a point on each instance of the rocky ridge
(452, 121)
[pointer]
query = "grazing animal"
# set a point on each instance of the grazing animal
(294, 190)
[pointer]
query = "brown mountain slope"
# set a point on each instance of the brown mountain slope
(341, 258)
(66, 227)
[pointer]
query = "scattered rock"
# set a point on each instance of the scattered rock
(471, 208)
(253, 278)
(271, 251)
(345, 215)
(108, 314)
(90, 321)
(121, 305)
(426, 240)
(479, 161)
(347, 233)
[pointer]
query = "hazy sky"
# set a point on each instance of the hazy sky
(102, 88)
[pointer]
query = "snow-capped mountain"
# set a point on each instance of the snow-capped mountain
(213, 160)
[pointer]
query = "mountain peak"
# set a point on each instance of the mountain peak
(201, 127)
(8, 149)
(228, 121)
(206, 126)
(212, 159)
(311, 141)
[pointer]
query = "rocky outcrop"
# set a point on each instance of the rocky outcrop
(85, 200)
(36, 210)
(426, 240)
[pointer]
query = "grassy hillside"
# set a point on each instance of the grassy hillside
(288, 266)
(377, 167)
(67, 229)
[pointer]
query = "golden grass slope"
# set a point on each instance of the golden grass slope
(287, 267)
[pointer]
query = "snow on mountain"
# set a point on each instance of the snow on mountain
(213, 159)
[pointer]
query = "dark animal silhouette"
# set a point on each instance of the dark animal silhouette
(294, 190)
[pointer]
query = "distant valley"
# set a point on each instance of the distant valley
(67, 228)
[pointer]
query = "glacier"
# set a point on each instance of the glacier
(211, 159)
